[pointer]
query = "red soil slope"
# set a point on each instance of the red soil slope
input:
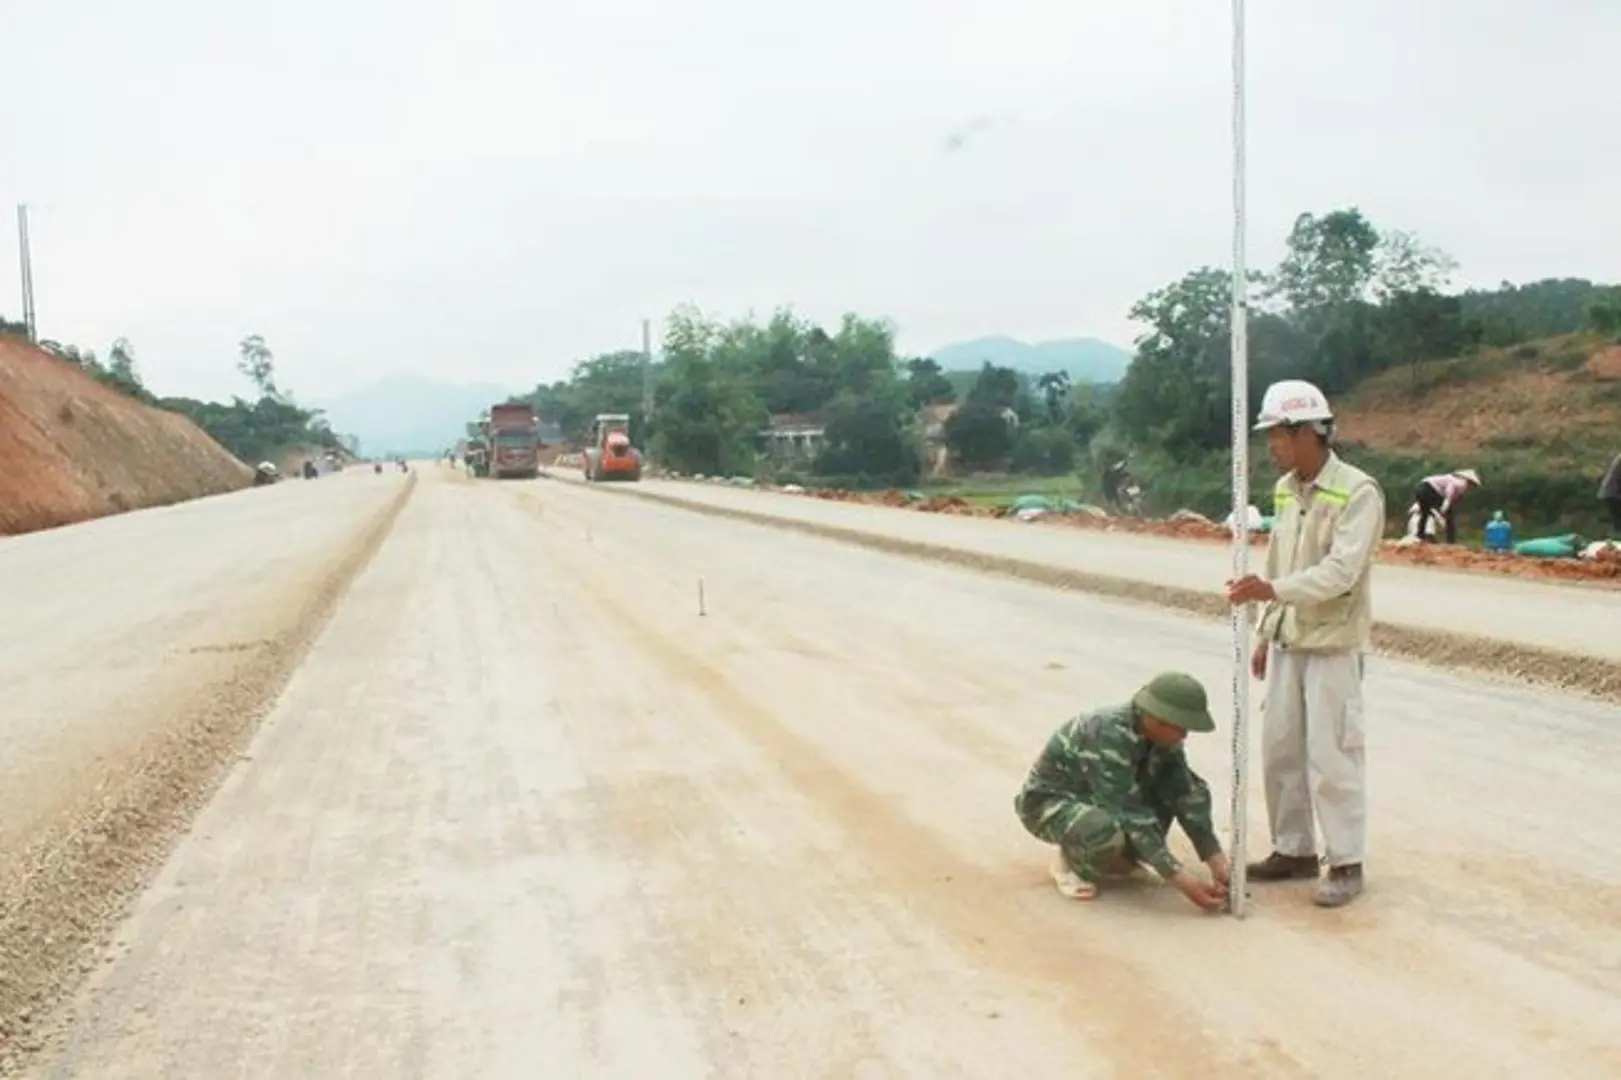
(72, 449)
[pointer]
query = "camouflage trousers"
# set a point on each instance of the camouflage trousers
(1089, 837)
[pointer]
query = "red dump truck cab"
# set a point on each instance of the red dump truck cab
(514, 441)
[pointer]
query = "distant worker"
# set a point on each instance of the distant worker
(1108, 785)
(1609, 491)
(1315, 624)
(1439, 496)
(1114, 476)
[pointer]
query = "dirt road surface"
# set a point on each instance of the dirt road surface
(107, 618)
(136, 654)
(1554, 616)
(524, 811)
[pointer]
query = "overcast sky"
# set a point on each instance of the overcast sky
(491, 189)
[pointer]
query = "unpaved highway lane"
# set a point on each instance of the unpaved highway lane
(105, 619)
(1566, 617)
(524, 812)
(134, 653)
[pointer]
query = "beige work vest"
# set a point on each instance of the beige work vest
(1341, 623)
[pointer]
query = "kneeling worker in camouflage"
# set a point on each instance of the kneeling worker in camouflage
(1108, 785)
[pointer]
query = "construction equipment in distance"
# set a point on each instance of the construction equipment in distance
(477, 454)
(610, 455)
(514, 441)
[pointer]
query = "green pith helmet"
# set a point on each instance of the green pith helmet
(1178, 699)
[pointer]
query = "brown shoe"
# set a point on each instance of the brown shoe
(1280, 867)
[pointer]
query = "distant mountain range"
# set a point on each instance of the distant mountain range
(1085, 359)
(408, 415)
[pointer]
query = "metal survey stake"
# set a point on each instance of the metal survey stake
(1240, 613)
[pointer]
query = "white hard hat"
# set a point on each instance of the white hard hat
(1292, 401)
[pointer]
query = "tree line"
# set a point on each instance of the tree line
(252, 429)
(718, 383)
(1346, 301)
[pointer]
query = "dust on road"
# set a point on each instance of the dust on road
(524, 812)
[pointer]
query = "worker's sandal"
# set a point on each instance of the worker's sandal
(1070, 884)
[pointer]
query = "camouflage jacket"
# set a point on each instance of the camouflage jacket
(1105, 760)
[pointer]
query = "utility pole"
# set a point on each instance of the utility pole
(647, 369)
(27, 275)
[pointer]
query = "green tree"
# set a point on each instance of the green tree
(1171, 393)
(708, 413)
(979, 435)
(867, 436)
(1086, 415)
(123, 375)
(1054, 387)
(1045, 450)
(1404, 265)
(258, 363)
(996, 387)
(1510, 314)
(926, 384)
(1602, 313)
(1330, 260)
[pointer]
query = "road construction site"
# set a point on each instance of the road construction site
(417, 775)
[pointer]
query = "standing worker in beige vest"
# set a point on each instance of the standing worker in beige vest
(1314, 628)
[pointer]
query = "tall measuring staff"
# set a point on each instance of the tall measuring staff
(1240, 613)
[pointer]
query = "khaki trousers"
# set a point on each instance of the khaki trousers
(1312, 753)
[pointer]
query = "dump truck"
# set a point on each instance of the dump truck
(610, 455)
(514, 441)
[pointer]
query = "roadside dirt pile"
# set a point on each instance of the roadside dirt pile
(74, 449)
